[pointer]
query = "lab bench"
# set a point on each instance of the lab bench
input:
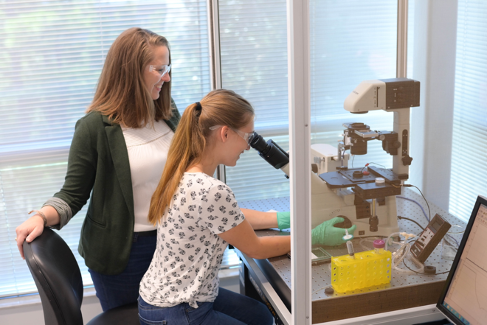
(408, 299)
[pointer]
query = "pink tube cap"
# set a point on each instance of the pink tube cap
(379, 243)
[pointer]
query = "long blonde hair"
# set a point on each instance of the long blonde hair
(121, 93)
(219, 107)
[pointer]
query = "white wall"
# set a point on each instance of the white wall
(432, 122)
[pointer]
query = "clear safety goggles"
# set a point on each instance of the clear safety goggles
(248, 137)
(160, 69)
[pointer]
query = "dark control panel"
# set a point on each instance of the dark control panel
(401, 93)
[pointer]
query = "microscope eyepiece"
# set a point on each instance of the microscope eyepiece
(258, 143)
(270, 151)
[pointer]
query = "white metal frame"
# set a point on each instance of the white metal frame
(416, 315)
(300, 167)
(299, 144)
(300, 136)
(401, 116)
(215, 61)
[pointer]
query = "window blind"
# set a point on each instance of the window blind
(51, 55)
(350, 41)
(469, 168)
(253, 41)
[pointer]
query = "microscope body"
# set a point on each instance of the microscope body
(336, 191)
(328, 201)
(365, 196)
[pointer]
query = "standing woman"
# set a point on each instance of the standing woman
(117, 154)
(197, 216)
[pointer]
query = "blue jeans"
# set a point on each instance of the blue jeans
(123, 288)
(229, 308)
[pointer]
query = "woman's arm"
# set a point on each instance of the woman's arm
(76, 188)
(259, 219)
(244, 238)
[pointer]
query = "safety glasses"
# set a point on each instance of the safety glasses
(248, 137)
(160, 69)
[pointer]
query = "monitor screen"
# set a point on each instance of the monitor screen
(464, 298)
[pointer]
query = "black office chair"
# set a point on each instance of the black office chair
(58, 279)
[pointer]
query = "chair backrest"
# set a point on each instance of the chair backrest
(57, 277)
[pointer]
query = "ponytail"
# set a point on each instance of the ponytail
(219, 107)
(188, 144)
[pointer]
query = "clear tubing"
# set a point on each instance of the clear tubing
(367, 240)
(391, 235)
(404, 251)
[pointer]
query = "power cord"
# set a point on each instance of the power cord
(422, 273)
(410, 185)
(399, 217)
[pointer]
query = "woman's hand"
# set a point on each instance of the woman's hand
(34, 226)
(29, 230)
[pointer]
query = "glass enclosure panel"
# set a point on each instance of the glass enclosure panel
(253, 40)
(351, 41)
(470, 109)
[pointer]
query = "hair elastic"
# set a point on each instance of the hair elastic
(198, 109)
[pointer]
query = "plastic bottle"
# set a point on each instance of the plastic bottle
(348, 239)
(379, 245)
(350, 249)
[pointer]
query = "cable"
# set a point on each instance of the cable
(410, 185)
(422, 273)
(402, 252)
(429, 210)
(450, 233)
(362, 170)
(399, 217)
(404, 262)
(449, 238)
(322, 288)
(424, 213)
(367, 164)
(408, 199)
(377, 164)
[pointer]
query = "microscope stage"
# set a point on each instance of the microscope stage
(346, 177)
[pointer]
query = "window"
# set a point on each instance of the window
(469, 168)
(50, 59)
(253, 38)
(350, 42)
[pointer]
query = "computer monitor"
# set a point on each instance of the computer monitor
(464, 298)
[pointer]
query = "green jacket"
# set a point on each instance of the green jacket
(98, 163)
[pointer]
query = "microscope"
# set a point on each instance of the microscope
(365, 197)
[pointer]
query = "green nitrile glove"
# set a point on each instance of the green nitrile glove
(283, 220)
(328, 235)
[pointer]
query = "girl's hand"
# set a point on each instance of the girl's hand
(328, 235)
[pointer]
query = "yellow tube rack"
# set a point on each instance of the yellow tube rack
(365, 270)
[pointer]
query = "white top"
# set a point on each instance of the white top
(147, 149)
(189, 251)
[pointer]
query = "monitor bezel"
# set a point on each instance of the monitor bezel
(480, 201)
